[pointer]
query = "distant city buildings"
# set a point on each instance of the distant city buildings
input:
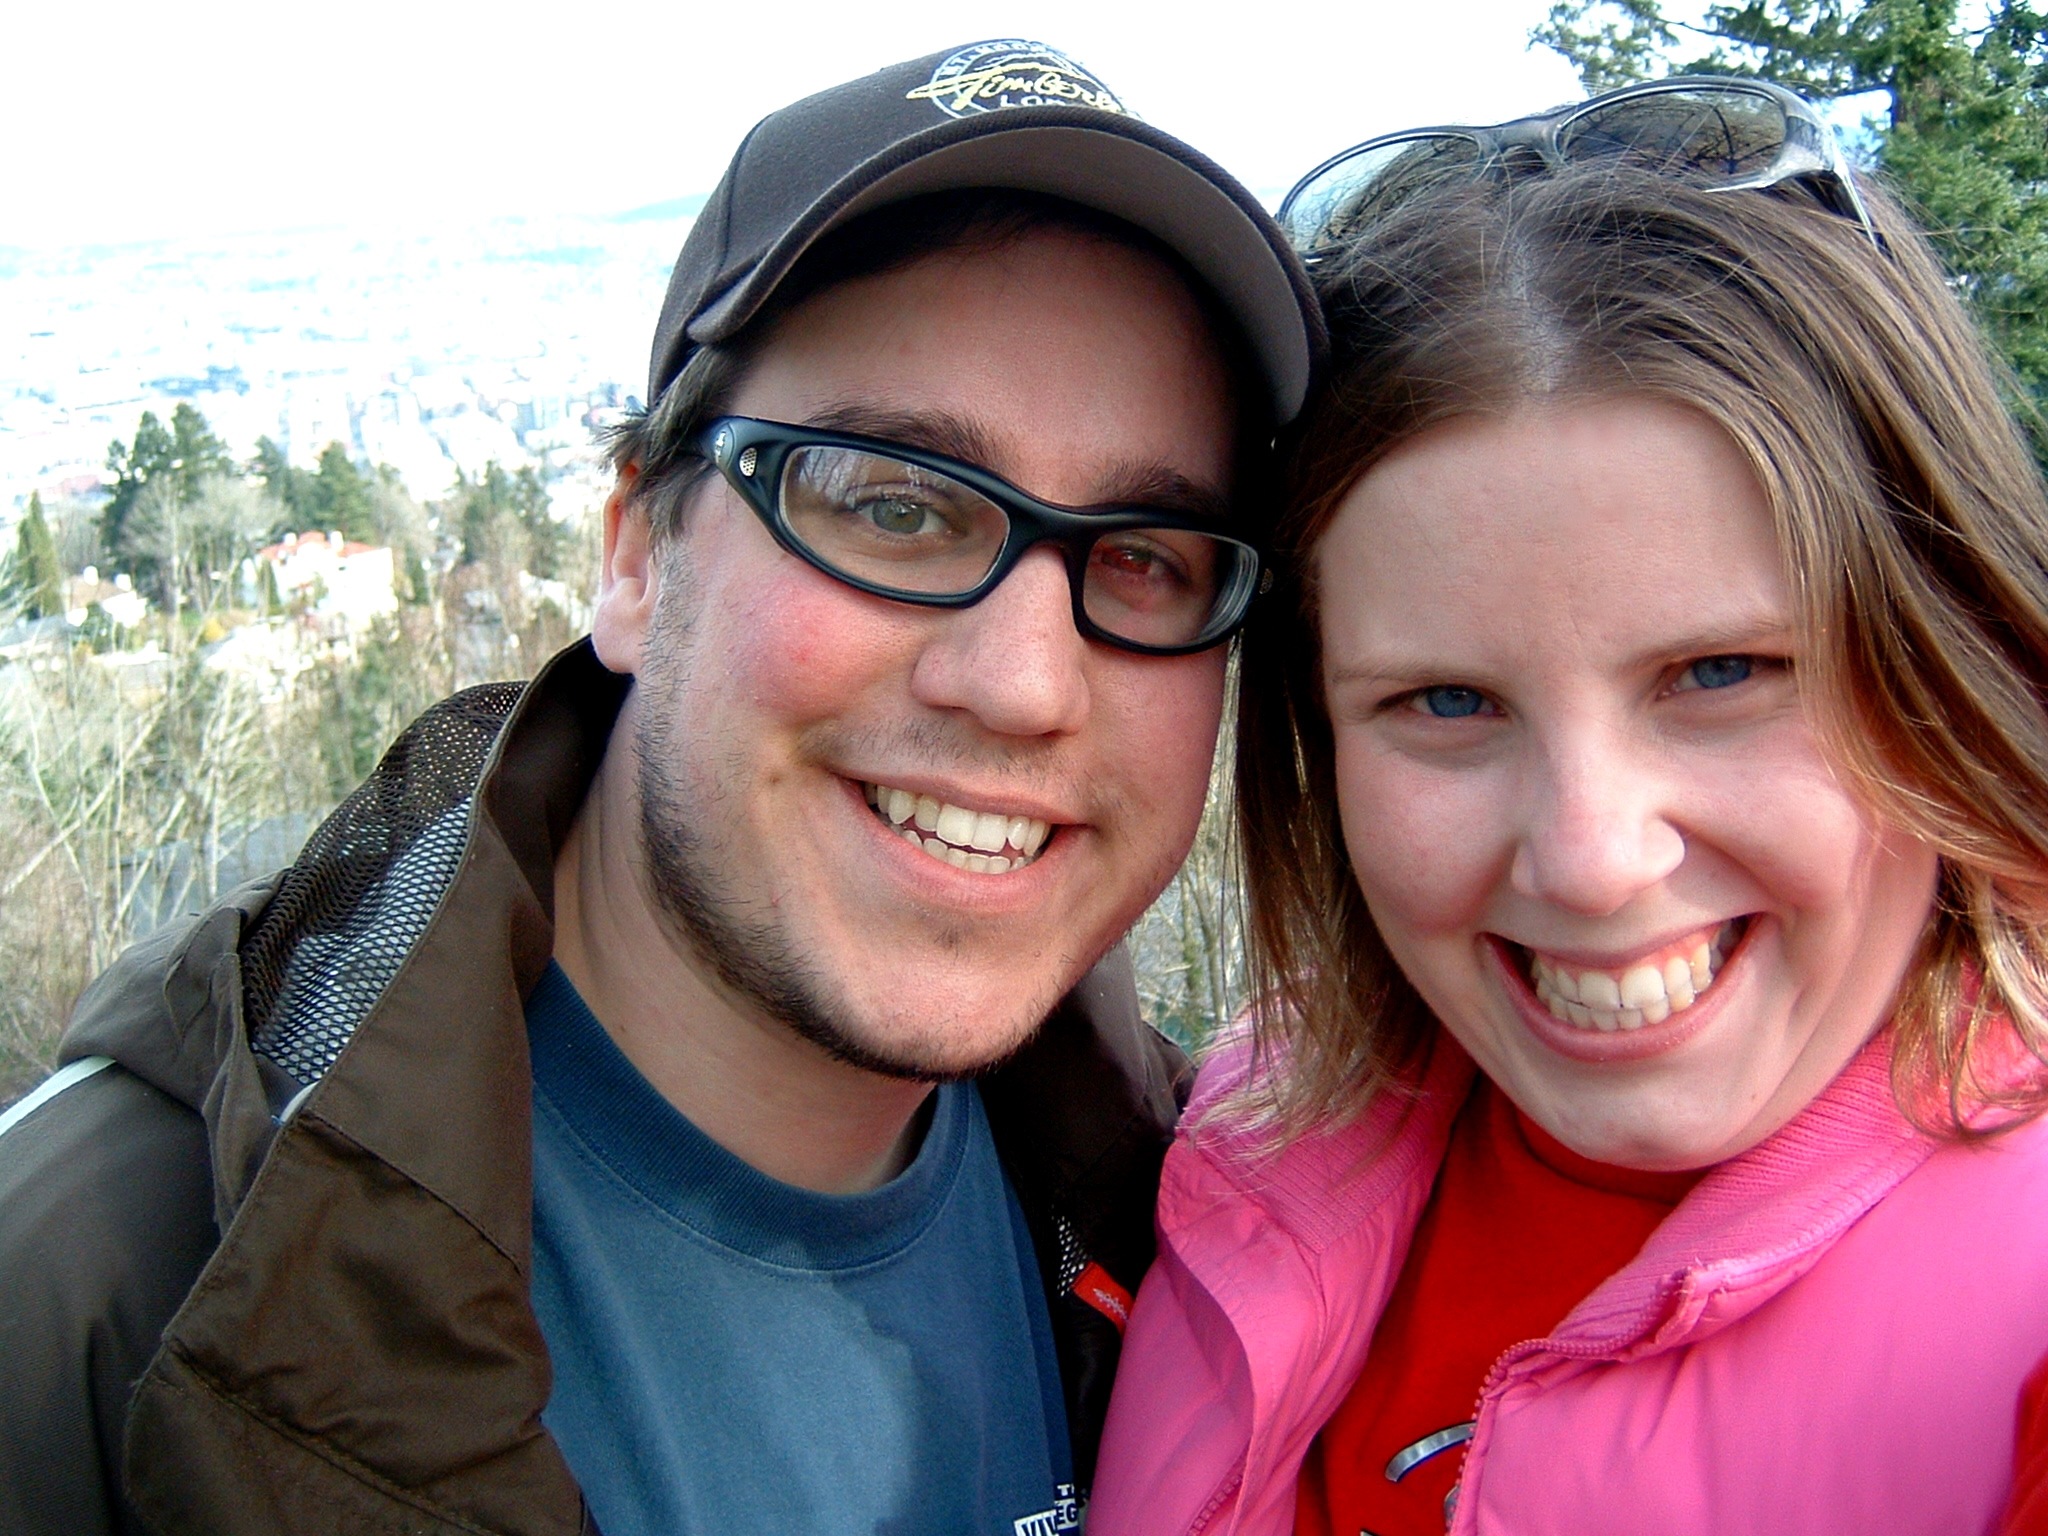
(115, 597)
(433, 352)
(326, 577)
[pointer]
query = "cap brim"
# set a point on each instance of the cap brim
(1115, 165)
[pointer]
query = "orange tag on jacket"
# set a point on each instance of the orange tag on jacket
(1096, 1286)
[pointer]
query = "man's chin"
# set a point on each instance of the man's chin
(937, 1053)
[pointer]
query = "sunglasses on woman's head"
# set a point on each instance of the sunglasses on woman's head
(1722, 135)
(917, 527)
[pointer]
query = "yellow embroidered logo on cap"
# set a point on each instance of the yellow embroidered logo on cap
(988, 77)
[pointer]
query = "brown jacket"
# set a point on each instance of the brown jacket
(269, 1272)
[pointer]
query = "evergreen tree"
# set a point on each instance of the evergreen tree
(288, 486)
(35, 579)
(176, 459)
(340, 496)
(334, 494)
(197, 455)
(1963, 136)
(401, 521)
(419, 589)
(133, 467)
(505, 515)
(545, 537)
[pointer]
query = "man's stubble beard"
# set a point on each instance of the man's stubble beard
(754, 957)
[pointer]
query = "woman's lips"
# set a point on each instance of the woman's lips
(1540, 986)
(1647, 990)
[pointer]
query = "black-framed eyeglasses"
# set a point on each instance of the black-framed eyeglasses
(922, 528)
(1721, 134)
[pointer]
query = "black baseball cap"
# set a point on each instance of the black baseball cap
(1005, 113)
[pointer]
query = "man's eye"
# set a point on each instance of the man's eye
(1449, 703)
(905, 519)
(1137, 555)
(1716, 672)
(1128, 560)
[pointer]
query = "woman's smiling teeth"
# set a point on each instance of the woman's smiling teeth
(980, 842)
(1648, 991)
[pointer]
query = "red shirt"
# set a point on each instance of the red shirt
(1519, 1230)
(2027, 1515)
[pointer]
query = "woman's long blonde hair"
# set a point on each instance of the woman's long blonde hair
(1913, 521)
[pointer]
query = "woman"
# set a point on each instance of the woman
(1644, 796)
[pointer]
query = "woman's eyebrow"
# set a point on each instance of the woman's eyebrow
(1767, 630)
(1403, 668)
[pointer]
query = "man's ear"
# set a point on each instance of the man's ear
(629, 579)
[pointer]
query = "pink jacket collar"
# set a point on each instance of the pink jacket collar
(1748, 1229)
(1761, 1220)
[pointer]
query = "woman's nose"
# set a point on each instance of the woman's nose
(1597, 830)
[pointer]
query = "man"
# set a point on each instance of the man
(581, 1133)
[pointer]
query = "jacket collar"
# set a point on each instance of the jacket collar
(1323, 1184)
(1760, 1220)
(1747, 1230)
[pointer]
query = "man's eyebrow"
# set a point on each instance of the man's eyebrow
(1161, 488)
(1148, 486)
(939, 432)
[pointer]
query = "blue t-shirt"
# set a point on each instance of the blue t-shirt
(732, 1353)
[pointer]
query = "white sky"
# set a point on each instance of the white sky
(134, 121)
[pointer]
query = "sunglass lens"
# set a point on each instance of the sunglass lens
(890, 524)
(1370, 182)
(1714, 137)
(1167, 587)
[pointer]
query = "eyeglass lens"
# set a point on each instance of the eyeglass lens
(917, 531)
(1370, 184)
(1719, 136)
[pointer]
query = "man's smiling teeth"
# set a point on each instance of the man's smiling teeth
(1647, 992)
(980, 842)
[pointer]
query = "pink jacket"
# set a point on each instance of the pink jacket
(1827, 1335)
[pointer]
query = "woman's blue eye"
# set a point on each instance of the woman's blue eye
(1451, 703)
(1718, 671)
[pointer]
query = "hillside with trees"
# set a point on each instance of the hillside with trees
(176, 714)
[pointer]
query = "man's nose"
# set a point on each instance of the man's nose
(1596, 822)
(1014, 660)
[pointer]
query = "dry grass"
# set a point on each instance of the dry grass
(123, 793)
(131, 791)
